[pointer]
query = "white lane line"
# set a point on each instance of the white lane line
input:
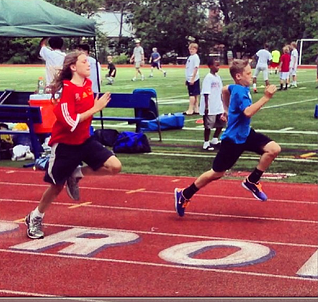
(169, 266)
(189, 213)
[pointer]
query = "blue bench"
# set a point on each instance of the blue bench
(12, 97)
(22, 114)
(144, 103)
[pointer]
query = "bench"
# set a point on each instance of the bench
(12, 97)
(143, 103)
(22, 114)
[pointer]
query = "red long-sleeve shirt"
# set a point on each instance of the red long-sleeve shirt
(74, 100)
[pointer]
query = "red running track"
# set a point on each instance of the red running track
(124, 239)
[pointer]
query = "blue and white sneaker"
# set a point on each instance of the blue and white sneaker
(255, 188)
(180, 202)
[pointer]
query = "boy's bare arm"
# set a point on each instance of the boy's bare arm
(269, 92)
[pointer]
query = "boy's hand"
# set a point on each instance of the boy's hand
(270, 90)
(101, 103)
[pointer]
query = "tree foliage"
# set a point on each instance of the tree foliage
(239, 25)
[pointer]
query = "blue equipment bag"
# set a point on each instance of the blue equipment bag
(167, 121)
(131, 142)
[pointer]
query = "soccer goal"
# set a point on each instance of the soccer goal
(301, 44)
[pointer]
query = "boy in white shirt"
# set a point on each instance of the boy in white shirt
(193, 79)
(211, 105)
(53, 57)
(264, 59)
(293, 64)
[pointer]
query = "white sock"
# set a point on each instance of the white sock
(77, 173)
(36, 213)
(254, 86)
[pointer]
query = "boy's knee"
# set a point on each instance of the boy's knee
(114, 165)
(274, 149)
(116, 168)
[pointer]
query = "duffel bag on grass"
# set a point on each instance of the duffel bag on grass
(167, 121)
(131, 142)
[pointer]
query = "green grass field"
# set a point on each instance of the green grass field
(288, 119)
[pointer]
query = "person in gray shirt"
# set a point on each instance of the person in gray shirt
(138, 58)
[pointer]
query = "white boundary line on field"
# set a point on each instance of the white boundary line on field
(288, 104)
(212, 155)
(200, 141)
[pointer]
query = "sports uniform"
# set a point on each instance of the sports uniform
(70, 140)
(238, 136)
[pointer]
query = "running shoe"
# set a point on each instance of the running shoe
(34, 225)
(255, 188)
(180, 202)
(72, 188)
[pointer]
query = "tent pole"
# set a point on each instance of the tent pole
(98, 79)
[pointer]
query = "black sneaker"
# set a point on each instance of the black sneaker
(34, 225)
(72, 188)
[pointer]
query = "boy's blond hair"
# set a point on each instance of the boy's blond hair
(237, 66)
(194, 45)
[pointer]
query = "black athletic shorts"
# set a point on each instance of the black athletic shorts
(194, 89)
(65, 158)
(230, 152)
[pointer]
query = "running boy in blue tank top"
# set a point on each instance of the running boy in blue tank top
(237, 138)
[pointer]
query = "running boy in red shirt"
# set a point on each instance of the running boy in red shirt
(70, 141)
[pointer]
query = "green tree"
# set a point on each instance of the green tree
(248, 24)
(168, 24)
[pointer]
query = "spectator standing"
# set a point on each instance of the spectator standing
(138, 57)
(293, 64)
(211, 105)
(53, 57)
(284, 68)
(193, 79)
(275, 61)
(317, 71)
(94, 66)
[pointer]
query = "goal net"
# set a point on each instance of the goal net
(308, 51)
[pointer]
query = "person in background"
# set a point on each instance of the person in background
(111, 71)
(155, 62)
(317, 71)
(275, 61)
(211, 105)
(95, 75)
(193, 79)
(293, 64)
(53, 57)
(71, 143)
(284, 68)
(237, 138)
(264, 59)
(138, 57)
